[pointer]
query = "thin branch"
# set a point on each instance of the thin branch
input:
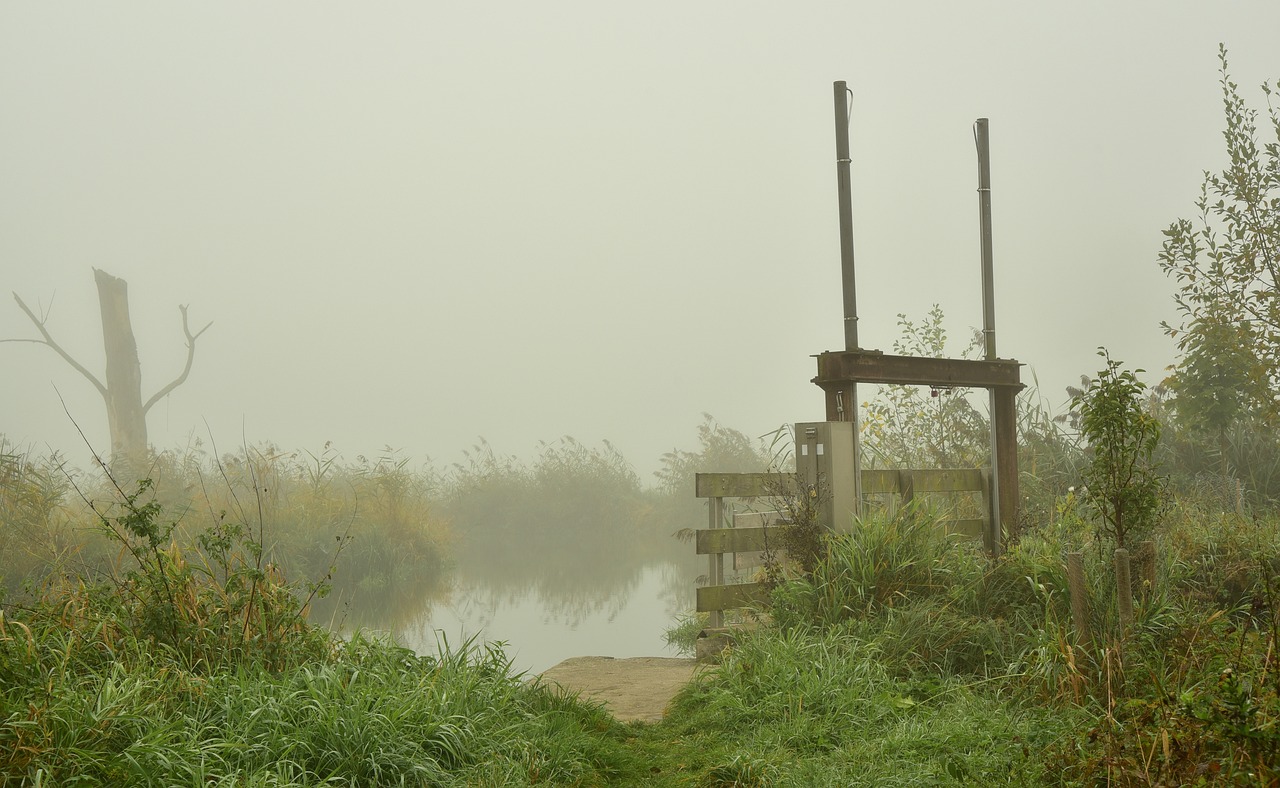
(48, 340)
(191, 355)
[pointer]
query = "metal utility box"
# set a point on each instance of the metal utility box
(824, 463)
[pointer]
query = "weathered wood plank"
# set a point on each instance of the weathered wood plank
(974, 527)
(862, 366)
(756, 539)
(742, 485)
(735, 540)
(712, 598)
(755, 559)
(760, 485)
(949, 480)
(879, 482)
(755, 519)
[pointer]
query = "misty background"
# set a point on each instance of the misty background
(415, 224)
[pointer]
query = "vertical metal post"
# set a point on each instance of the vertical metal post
(715, 572)
(982, 138)
(845, 194)
(995, 404)
(846, 217)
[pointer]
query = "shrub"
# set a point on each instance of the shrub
(1123, 486)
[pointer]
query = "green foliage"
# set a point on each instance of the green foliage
(230, 607)
(33, 536)
(823, 707)
(907, 657)
(802, 539)
(882, 562)
(571, 505)
(177, 673)
(1121, 479)
(368, 713)
(297, 508)
(721, 449)
(303, 505)
(1227, 266)
(683, 634)
(931, 601)
(914, 427)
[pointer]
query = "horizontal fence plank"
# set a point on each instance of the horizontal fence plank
(950, 480)
(736, 540)
(878, 482)
(743, 485)
(749, 519)
(754, 559)
(968, 527)
(744, 561)
(728, 597)
(756, 539)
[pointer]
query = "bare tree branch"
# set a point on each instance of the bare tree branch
(48, 340)
(191, 355)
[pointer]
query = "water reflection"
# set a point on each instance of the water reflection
(542, 629)
(544, 614)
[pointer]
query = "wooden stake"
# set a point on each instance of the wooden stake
(1079, 597)
(1124, 588)
(1147, 567)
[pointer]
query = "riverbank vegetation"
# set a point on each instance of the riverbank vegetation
(155, 627)
(174, 649)
(574, 522)
(904, 657)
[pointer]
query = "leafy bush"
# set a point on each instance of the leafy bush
(33, 532)
(176, 673)
(1122, 484)
(299, 508)
(914, 427)
(879, 564)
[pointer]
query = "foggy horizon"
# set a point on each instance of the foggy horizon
(418, 226)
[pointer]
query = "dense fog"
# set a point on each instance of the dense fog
(416, 225)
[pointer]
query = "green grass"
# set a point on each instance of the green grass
(905, 657)
(371, 714)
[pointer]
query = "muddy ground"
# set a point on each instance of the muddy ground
(634, 689)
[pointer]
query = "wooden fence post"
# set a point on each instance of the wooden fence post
(1079, 597)
(716, 569)
(1147, 567)
(1124, 588)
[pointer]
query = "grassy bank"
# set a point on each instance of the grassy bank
(181, 672)
(173, 646)
(905, 658)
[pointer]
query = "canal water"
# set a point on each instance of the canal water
(540, 622)
(541, 629)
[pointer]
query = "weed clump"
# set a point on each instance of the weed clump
(206, 671)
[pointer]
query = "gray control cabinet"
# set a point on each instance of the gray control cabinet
(824, 462)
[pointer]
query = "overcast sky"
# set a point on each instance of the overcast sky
(418, 223)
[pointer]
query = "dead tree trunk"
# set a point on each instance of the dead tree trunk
(122, 392)
(125, 415)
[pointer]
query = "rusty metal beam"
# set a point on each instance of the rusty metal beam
(841, 368)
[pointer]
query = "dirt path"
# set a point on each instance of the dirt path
(635, 689)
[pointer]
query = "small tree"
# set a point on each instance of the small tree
(915, 427)
(1122, 484)
(1227, 266)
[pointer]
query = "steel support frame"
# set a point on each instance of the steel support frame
(840, 371)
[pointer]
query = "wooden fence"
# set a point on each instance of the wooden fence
(738, 540)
